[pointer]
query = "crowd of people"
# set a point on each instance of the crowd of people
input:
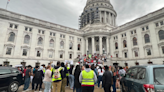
(79, 78)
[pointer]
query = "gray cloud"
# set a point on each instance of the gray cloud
(67, 12)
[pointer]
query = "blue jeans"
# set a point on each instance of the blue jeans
(47, 86)
(78, 90)
(71, 81)
(99, 80)
(26, 83)
(114, 86)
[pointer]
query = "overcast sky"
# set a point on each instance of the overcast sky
(67, 12)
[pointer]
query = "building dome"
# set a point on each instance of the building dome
(98, 11)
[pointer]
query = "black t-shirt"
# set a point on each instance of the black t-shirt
(27, 73)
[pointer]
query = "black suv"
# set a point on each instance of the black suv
(10, 79)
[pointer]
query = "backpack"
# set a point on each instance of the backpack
(38, 74)
(56, 73)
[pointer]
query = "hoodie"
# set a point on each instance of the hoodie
(87, 70)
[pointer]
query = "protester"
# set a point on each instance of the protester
(67, 74)
(71, 77)
(87, 79)
(114, 78)
(24, 71)
(64, 78)
(121, 72)
(107, 80)
(117, 75)
(100, 74)
(77, 84)
(47, 79)
(37, 78)
(57, 78)
(44, 68)
(27, 78)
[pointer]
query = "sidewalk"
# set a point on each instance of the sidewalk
(67, 89)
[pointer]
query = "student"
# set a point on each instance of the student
(71, 77)
(27, 78)
(37, 78)
(85, 76)
(107, 80)
(64, 78)
(77, 84)
(57, 78)
(100, 74)
(47, 79)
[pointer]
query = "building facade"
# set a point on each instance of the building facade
(26, 39)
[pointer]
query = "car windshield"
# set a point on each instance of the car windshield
(159, 76)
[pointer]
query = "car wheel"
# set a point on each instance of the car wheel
(13, 87)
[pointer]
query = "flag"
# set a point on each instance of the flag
(8, 1)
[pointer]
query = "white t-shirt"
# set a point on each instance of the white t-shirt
(100, 73)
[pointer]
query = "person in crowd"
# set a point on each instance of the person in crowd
(57, 78)
(37, 78)
(121, 72)
(64, 78)
(67, 74)
(100, 74)
(19, 68)
(71, 77)
(27, 78)
(107, 79)
(114, 78)
(82, 68)
(77, 84)
(87, 79)
(24, 71)
(47, 79)
(117, 75)
(44, 68)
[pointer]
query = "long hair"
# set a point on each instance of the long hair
(77, 68)
(92, 67)
(100, 68)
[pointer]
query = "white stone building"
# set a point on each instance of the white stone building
(23, 38)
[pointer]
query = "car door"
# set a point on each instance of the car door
(130, 78)
(139, 80)
(125, 80)
(4, 78)
(17, 76)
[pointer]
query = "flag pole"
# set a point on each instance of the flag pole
(7, 4)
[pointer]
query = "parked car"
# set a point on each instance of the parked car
(10, 79)
(147, 78)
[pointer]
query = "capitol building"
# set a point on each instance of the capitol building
(28, 40)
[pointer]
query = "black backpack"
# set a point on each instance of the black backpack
(38, 74)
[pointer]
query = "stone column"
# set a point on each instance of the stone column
(100, 17)
(113, 19)
(105, 17)
(100, 44)
(107, 45)
(93, 45)
(110, 19)
(86, 40)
